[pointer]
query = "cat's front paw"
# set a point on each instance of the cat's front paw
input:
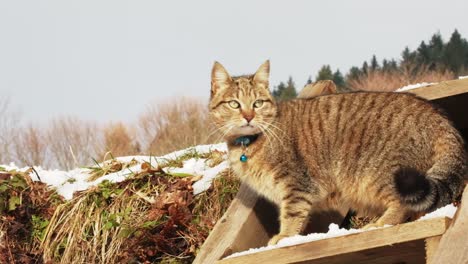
(274, 240)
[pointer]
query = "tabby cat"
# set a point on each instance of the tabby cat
(383, 154)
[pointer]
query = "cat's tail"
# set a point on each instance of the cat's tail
(440, 185)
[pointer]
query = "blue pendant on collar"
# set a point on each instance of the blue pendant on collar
(243, 158)
(244, 142)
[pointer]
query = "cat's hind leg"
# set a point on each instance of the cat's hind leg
(395, 214)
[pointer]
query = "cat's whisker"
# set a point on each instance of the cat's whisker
(225, 132)
(271, 131)
(217, 129)
(267, 135)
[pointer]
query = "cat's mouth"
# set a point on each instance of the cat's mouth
(247, 129)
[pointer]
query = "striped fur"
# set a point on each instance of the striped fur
(382, 154)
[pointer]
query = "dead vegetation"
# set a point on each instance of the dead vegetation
(25, 210)
(173, 125)
(388, 81)
(70, 142)
(152, 217)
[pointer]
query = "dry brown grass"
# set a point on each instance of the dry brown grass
(150, 218)
(174, 125)
(390, 81)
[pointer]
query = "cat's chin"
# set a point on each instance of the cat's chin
(245, 130)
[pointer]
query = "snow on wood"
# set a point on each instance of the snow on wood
(334, 231)
(413, 86)
(379, 245)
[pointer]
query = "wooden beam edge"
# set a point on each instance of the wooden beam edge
(442, 89)
(347, 244)
(225, 232)
(453, 247)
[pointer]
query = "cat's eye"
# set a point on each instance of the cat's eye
(258, 104)
(234, 104)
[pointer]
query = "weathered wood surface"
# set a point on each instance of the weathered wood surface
(453, 246)
(341, 248)
(319, 88)
(431, 246)
(238, 229)
(249, 222)
(442, 89)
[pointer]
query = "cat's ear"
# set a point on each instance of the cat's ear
(219, 78)
(263, 73)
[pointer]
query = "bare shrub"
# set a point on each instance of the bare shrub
(176, 124)
(379, 80)
(9, 122)
(119, 140)
(72, 142)
(29, 147)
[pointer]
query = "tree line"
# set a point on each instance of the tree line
(434, 55)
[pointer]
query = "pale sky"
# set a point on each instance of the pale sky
(106, 60)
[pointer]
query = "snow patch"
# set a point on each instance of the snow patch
(463, 77)
(414, 86)
(446, 211)
(204, 183)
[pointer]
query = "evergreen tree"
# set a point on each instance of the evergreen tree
(374, 63)
(455, 52)
(354, 73)
(290, 90)
(278, 90)
(309, 80)
(338, 79)
(365, 68)
(423, 54)
(385, 65)
(436, 49)
(407, 56)
(285, 91)
(325, 73)
(393, 65)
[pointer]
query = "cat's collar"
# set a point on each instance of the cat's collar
(245, 141)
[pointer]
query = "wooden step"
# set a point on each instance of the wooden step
(403, 243)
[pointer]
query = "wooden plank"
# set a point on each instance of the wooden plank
(442, 89)
(411, 252)
(341, 246)
(453, 247)
(249, 222)
(238, 229)
(319, 88)
(431, 245)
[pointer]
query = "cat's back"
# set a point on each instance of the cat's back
(362, 129)
(347, 109)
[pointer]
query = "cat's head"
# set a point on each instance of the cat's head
(241, 105)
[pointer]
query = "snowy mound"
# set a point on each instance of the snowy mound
(68, 182)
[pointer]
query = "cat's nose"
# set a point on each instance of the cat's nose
(248, 117)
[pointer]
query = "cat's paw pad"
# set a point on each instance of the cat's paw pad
(274, 240)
